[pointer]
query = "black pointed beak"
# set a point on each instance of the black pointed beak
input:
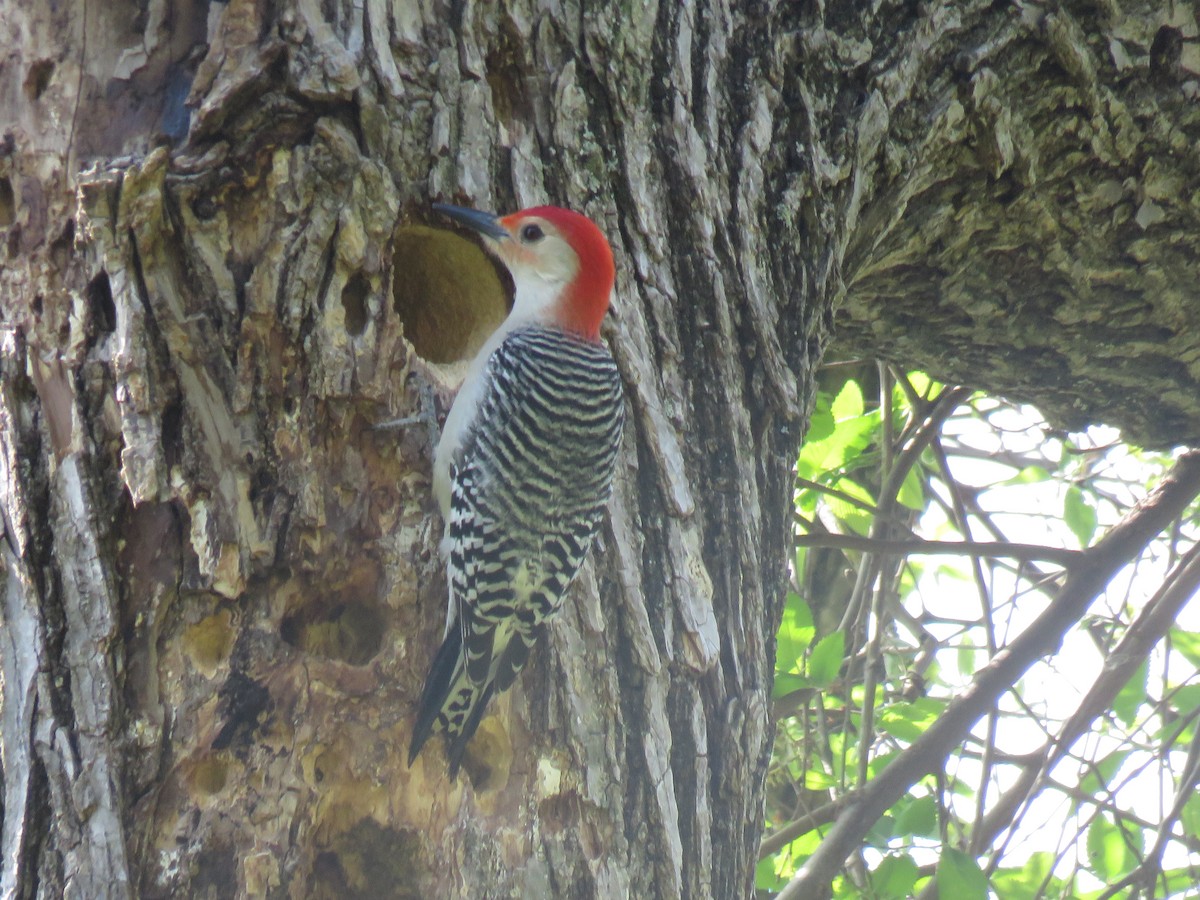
(486, 223)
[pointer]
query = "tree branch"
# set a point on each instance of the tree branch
(1087, 579)
(788, 832)
(834, 492)
(1008, 549)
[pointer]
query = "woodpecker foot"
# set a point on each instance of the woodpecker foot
(426, 415)
(403, 422)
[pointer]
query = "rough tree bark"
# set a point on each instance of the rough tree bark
(220, 272)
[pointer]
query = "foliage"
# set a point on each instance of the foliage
(1072, 785)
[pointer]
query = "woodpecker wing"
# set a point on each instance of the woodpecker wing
(527, 496)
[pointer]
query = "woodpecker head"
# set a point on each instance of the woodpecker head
(561, 264)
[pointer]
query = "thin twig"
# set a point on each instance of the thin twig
(963, 522)
(785, 834)
(834, 492)
(875, 622)
(986, 549)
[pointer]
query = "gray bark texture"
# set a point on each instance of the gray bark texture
(219, 271)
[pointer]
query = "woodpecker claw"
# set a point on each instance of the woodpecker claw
(426, 415)
(402, 422)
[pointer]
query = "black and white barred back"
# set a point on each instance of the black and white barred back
(528, 491)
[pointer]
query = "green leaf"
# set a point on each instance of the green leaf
(1189, 816)
(849, 437)
(1187, 643)
(856, 518)
(848, 404)
(765, 876)
(776, 870)
(826, 659)
(882, 833)
(968, 659)
(794, 636)
(893, 879)
(787, 682)
(806, 504)
(815, 780)
(909, 720)
(919, 818)
(959, 876)
(1030, 475)
(912, 491)
(880, 762)
(1185, 699)
(820, 426)
(1108, 849)
(1099, 777)
(1030, 881)
(1130, 699)
(922, 384)
(799, 611)
(1080, 515)
(1177, 882)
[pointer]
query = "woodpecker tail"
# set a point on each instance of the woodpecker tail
(460, 684)
(445, 673)
(452, 701)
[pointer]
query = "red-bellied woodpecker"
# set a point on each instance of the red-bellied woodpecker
(525, 464)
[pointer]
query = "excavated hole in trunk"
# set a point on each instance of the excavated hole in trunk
(338, 618)
(447, 292)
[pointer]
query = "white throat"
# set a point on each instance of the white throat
(534, 299)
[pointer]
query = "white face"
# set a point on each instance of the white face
(536, 254)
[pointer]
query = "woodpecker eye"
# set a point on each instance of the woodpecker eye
(531, 233)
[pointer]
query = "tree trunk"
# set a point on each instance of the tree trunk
(222, 585)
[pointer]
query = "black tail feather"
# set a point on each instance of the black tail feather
(447, 682)
(437, 688)
(456, 745)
